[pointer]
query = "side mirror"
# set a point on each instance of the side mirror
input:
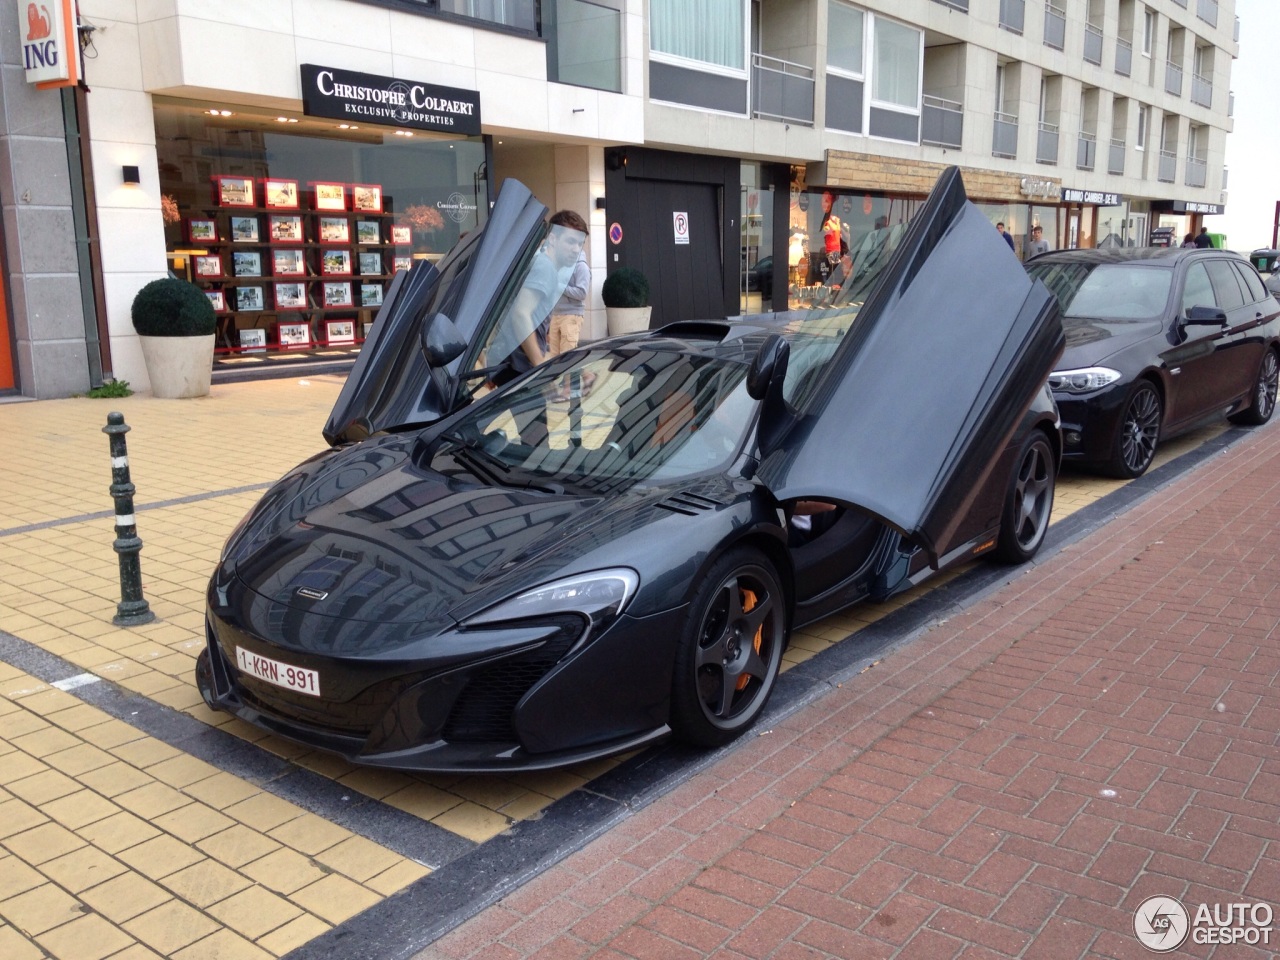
(1206, 317)
(442, 343)
(769, 363)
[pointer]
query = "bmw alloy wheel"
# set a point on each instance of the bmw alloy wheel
(1139, 432)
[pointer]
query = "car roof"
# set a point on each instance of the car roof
(1153, 256)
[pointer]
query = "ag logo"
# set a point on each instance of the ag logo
(1161, 924)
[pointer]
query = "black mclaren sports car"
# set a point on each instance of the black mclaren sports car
(483, 579)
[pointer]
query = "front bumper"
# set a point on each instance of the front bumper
(1090, 422)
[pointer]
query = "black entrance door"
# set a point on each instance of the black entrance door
(647, 191)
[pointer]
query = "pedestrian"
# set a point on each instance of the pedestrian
(1007, 237)
(568, 313)
(1038, 243)
(1203, 239)
(1189, 240)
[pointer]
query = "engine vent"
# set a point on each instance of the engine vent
(689, 504)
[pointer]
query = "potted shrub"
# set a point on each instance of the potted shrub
(626, 300)
(176, 326)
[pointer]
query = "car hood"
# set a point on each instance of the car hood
(939, 363)
(371, 536)
(1091, 341)
(392, 384)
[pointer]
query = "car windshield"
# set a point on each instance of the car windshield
(1107, 291)
(637, 414)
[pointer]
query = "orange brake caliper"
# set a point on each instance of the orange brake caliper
(749, 602)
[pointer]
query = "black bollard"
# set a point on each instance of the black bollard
(132, 609)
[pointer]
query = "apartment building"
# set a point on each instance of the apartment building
(290, 157)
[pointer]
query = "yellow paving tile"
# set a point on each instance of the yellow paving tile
(160, 856)
(124, 897)
(293, 934)
(254, 912)
(16, 877)
(118, 832)
(193, 822)
(109, 733)
(423, 800)
(309, 834)
(472, 821)
(144, 752)
(181, 770)
(170, 926)
(285, 871)
(223, 945)
(14, 946)
(263, 811)
(115, 778)
(19, 722)
(17, 816)
(82, 869)
(89, 938)
(358, 858)
(238, 845)
(335, 898)
(42, 787)
(19, 767)
(220, 791)
(79, 809)
(79, 759)
(43, 843)
(40, 909)
(206, 882)
(398, 877)
(152, 800)
(44, 742)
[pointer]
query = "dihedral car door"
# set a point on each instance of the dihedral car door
(932, 371)
(392, 385)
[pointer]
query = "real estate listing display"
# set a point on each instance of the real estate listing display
(244, 229)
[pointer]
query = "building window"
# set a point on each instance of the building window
(709, 31)
(895, 77)
(845, 27)
(1148, 31)
(1144, 118)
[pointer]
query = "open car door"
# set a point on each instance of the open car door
(940, 346)
(426, 335)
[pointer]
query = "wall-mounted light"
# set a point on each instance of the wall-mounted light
(600, 204)
(131, 176)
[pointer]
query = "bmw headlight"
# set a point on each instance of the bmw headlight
(1082, 381)
(599, 596)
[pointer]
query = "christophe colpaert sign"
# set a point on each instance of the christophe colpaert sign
(50, 47)
(367, 98)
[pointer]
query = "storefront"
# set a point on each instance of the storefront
(295, 224)
(1183, 218)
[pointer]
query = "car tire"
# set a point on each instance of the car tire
(1135, 442)
(728, 657)
(1264, 393)
(1028, 504)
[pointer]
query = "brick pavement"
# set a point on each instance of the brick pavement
(1012, 783)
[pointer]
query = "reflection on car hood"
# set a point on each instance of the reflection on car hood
(1090, 341)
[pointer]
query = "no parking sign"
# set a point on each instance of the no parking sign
(680, 222)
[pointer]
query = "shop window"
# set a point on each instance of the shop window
(295, 227)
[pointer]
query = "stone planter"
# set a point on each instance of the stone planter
(178, 367)
(622, 320)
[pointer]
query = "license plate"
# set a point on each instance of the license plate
(281, 674)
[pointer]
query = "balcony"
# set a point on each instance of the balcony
(1231, 103)
(1047, 143)
(1196, 169)
(1124, 57)
(1055, 27)
(1168, 167)
(1224, 178)
(781, 90)
(1013, 15)
(942, 122)
(1181, 3)
(961, 5)
(1093, 44)
(1115, 158)
(1235, 32)
(1207, 10)
(1201, 90)
(1004, 139)
(1086, 151)
(1172, 78)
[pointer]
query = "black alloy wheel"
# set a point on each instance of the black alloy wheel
(1135, 443)
(1029, 502)
(728, 658)
(1264, 393)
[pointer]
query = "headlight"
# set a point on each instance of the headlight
(1082, 381)
(599, 596)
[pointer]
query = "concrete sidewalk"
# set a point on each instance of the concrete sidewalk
(1013, 783)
